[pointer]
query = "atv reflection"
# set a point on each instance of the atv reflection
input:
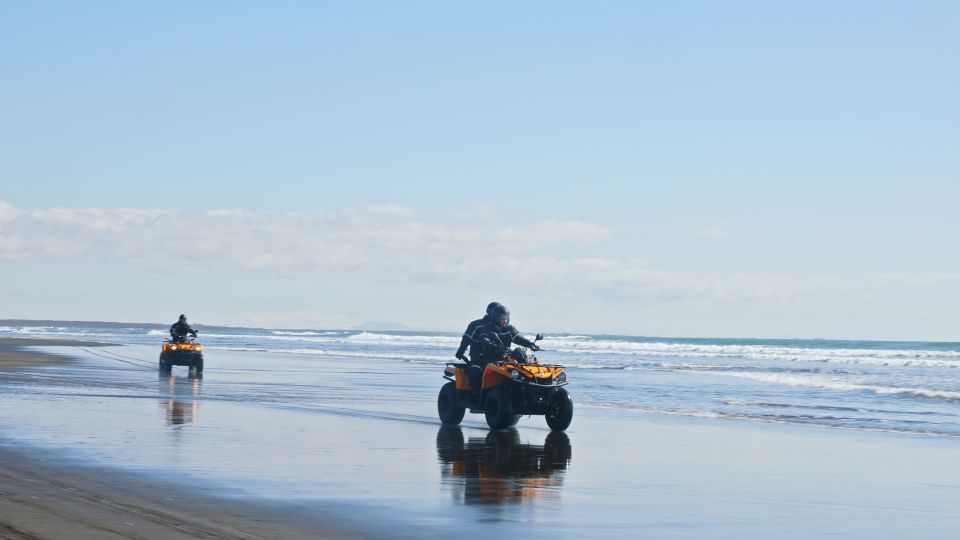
(183, 398)
(498, 469)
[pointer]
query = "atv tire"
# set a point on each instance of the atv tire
(451, 414)
(561, 410)
(165, 367)
(498, 409)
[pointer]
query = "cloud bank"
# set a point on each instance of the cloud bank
(401, 245)
(393, 239)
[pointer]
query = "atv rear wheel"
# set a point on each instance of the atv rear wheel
(561, 410)
(498, 409)
(450, 413)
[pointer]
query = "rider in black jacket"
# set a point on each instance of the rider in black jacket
(470, 334)
(180, 329)
(492, 338)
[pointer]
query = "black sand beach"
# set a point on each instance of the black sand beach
(111, 451)
(44, 496)
(41, 496)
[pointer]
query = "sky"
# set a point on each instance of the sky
(699, 169)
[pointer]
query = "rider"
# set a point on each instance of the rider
(492, 338)
(470, 334)
(180, 329)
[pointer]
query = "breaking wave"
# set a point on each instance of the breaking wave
(816, 381)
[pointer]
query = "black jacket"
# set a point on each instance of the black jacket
(180, 330)
(470, 336)
(486, 334)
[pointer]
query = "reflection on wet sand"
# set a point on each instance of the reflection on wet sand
(498, 469)
(183, 402)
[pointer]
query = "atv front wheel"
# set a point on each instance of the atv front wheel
(499, 409)
(561, 410)
(450, 413)
(165, 367)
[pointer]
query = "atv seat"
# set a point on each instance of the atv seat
(451, 369)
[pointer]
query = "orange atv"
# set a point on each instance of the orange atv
(514, 386)
(181, 353)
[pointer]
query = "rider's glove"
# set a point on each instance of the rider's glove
(461, 356)
(534, 347)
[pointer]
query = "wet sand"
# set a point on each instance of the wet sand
(278, 446)
(43, 496)
(13, 356)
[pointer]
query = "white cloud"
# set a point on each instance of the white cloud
(8, 212)
(391, 240)
(544, 266)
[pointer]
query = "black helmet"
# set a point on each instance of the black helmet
(183, 317)
(497, 312)
(492, 306)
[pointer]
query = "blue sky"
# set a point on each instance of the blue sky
(695, 168)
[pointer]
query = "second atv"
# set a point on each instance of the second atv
(512, 387)
(181, 353)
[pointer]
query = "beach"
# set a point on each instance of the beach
(13, 355)
(42, 496)
(274, 445)
(707, 249)
(46, 495)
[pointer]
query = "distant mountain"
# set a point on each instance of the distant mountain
(389, 326)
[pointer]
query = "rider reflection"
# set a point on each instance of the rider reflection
(183, 401)
(498, 469)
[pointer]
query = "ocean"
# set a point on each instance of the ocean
(881, 386)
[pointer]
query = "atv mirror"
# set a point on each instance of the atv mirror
(538, 338)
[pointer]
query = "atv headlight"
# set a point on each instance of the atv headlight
(561, 378)
(516, 375)
(173, 347)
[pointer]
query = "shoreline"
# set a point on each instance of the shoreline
(13, 355)
(44, 495)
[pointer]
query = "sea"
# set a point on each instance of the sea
(901, 387)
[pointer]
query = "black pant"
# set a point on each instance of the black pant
(475, 371)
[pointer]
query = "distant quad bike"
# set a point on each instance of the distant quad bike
(512, 387)
(181, 353)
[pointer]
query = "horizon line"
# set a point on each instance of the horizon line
(115, 324)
